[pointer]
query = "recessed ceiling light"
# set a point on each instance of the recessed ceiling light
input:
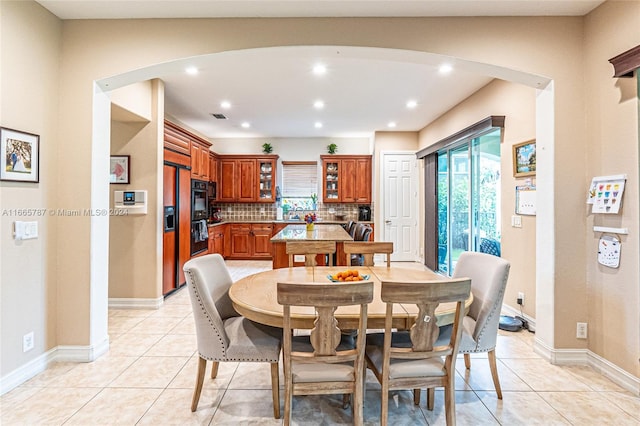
(391, 124)
(191, 70)
(246, 125)
(445, 68)
(318, 104)
(225, 104)
(318, 125)
(412, 104)
(319, 69)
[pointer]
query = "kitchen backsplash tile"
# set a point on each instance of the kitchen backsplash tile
(258, 212)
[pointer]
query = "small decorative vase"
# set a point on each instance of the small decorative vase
(310, 226)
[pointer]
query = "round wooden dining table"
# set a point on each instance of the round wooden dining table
(255, 297)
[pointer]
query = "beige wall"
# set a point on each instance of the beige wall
(517, 103)
(613, 295)
(29, 61)
(134, 242)
(93, 50)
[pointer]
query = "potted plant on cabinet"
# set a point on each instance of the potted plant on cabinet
(332, 148)
(267, 148)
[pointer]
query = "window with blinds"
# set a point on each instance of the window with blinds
(299, 179)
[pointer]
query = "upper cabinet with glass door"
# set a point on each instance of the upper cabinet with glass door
(266, 178)
(346, 178)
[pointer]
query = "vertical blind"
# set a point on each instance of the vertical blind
(299, 178)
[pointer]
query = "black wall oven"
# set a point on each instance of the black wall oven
(199, 215)
(199, 199)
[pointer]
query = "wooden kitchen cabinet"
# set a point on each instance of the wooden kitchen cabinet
(346, 178)
(250, 241)
(247, 178)
(199, 160)
(216, 239)
(213, 167)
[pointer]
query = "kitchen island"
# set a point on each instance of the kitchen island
(299, 233)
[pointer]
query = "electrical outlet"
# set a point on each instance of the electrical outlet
(27, 342)
(520, 298)
(581, 330)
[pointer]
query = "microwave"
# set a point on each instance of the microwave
(212, 193)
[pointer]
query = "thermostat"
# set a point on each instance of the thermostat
(134, 202)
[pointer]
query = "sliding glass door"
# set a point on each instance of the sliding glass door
(468, 193)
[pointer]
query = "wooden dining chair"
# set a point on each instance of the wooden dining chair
(367, 250)
(310, 249)
(324, 362)
(409, 359)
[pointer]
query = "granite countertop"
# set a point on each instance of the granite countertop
(319, 233)
(292, 222)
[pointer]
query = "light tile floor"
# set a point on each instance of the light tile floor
(148, 376)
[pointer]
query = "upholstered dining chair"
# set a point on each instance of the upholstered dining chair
(222, 334)
(489, 276)
(367, 250)
(324, 362)
(411, 359)
(310, 249)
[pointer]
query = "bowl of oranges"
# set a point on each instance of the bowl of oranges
(348, 275)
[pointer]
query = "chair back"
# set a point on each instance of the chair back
(489, 276)
(325, 298)
(424, 332)
(209, 281)
(362, 232)
(368, 250)
(310, 249)
(321, 363)
(351, 228)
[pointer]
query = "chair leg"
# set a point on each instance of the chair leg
(202, 366)
(449, 404)
(275, 389)
(214, 369)
(494, 372)
(288, 398)
(467, 361)
(416, 396)
(384, 404)
(346, 399)
(431, 398)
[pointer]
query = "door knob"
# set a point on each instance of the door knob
(388, 222)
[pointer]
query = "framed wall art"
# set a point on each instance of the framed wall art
(524, 159)
(19, 155)
(120, 169)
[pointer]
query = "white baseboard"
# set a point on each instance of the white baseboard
(585, 357)
(132, 303)
(511, 311)
(27, 371)
(59, 353)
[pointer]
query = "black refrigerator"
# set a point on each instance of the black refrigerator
(176, 244)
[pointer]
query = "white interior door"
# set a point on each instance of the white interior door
(400, 201)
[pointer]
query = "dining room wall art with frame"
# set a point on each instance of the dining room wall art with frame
(120, 169)
(524, 159)
(20, 156)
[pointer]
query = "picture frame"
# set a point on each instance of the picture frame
(120, 169)
(19, 156)
(524, 159)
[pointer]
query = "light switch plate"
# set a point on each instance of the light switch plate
(516, 221)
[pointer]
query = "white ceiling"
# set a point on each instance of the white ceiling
(274, 89)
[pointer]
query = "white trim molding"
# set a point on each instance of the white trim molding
(614, 373)
(41, 363)
(133, 303)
